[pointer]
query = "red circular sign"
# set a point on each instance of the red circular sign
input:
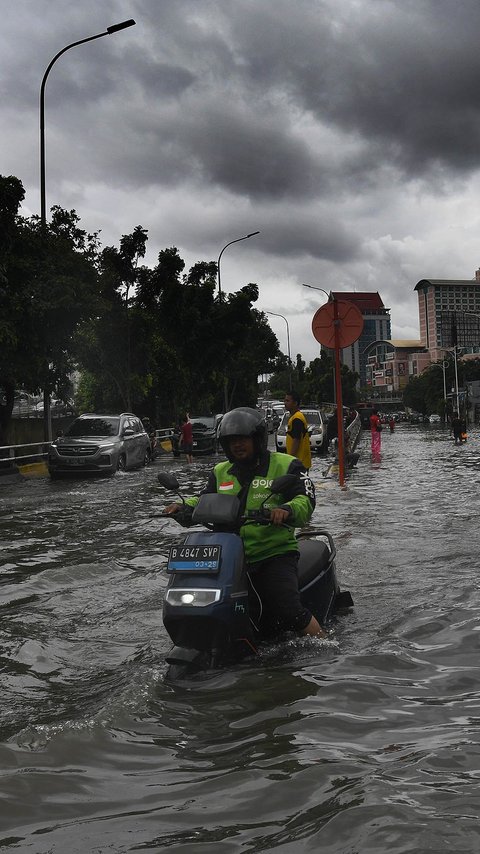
(349, 323)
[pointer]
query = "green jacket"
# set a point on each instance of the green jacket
(252, 487)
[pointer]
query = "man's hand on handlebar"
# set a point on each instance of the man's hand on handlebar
(278, 516)
(172, 508)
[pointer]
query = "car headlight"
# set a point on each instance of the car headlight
(194, 597)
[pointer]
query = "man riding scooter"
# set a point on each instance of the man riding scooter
(271, 550)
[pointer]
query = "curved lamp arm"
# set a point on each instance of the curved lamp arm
(238, 239)
(113, 29)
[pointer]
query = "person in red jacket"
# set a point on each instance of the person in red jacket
(186, 439)
(376, 428)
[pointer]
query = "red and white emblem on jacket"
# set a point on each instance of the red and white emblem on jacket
(225, 486)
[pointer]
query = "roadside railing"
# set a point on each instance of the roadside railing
(352, 433)
(13, 455)
(164, 433)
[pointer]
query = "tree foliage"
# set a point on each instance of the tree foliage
(315, 382)
(152, 340)
(425, 393)
(48, 288)
(173, 345)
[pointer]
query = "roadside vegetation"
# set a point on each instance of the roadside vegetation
(149, 340)
(425, 393)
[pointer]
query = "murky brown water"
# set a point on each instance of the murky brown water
(366, 742)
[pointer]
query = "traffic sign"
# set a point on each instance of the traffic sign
(349, 324)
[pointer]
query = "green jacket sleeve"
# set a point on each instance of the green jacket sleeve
(301, 497)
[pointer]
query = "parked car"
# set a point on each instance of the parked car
(434, 419)
(270, 418)
(316, 429)
(100, 444)
(205, 433)
(57, 407)
(24, 404)
(278, 413)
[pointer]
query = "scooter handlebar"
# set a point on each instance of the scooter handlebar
(262, 517)
(182, 517)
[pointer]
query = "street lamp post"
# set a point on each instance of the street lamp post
(329, 297)
(288, 347)
(456, 378)
(337, 384)
(238, 239)
(457, 396)
(43, 202)
(444, 368)
(109, 31)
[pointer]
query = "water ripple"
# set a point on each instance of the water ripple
(368, 741)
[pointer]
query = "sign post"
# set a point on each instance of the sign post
(336, 325)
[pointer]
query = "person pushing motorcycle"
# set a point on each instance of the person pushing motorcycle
(272, 550)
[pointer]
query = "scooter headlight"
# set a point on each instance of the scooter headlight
(196, 598)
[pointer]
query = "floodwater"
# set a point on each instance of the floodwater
(365, 742)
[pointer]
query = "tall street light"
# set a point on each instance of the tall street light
(454, 352)
(237, 240)
(314, 288)
(220, 256)
(275, 314)
(337, 384)
(444, 368)
(115, 28)
(109, 31)
(329, 298)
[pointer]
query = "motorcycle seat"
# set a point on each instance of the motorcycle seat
(314, 558)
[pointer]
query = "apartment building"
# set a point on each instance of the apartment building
(376, 326)
(391, 364)
(448, 310)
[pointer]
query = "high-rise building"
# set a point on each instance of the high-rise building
(376, 327)
(448, 310)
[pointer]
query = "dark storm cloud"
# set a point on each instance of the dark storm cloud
(400, 77)
(258, 159)
(162, 80)
(346, 131)
(300, 234)
(403, 74)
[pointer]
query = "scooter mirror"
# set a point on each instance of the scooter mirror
(283, 483)
(168, 480)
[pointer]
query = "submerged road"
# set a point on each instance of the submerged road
(368, 741)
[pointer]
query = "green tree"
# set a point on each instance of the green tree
(425, 393)
(187, 349)
(315, 383)
(48, 287)
(113, 346)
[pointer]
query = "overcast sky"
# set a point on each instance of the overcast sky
(346, 131)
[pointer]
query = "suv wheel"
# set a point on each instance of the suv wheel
(122, 463)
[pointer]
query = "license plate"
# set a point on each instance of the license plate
(194, 444)
(75, 461)
(192, 558)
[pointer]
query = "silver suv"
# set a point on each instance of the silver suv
(100, 444)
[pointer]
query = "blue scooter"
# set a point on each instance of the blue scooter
(206, 610)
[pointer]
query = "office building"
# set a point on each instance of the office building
(376, 327)
(448, 310)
